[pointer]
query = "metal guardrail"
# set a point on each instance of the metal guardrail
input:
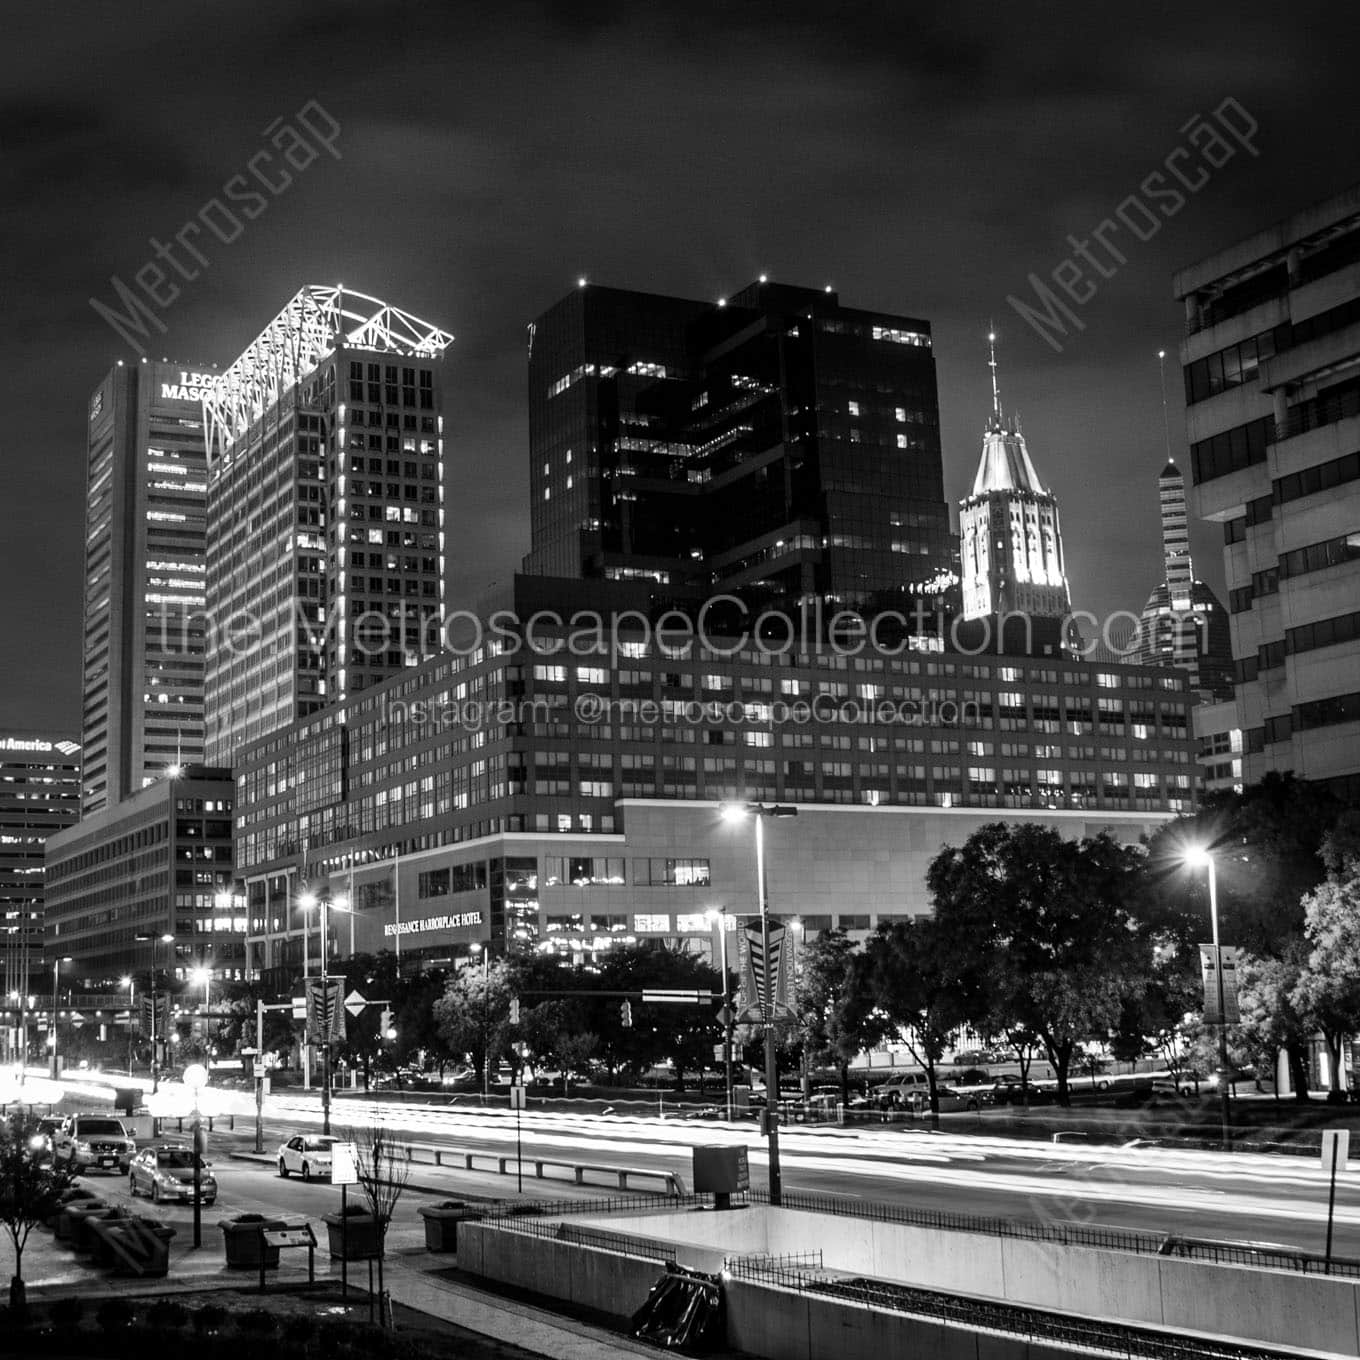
(506, 1163)
(610, 1204)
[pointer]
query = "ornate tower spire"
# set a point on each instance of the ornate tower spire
(991, 363)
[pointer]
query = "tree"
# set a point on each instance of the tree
(1048, 929)
(383, 1173)
(473, 1015)
(908, 974)
(836, 1026)
(31, 1186)
(1271, 1020)
(555, 1033)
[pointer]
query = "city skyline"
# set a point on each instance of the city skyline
(486, 242)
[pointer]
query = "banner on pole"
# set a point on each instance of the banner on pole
(753, 975)
(325, 1014)
(1209, 966)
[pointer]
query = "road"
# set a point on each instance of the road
(1241, 1196)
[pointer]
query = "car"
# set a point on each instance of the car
(308, 1154)
(44, 1136)
(898, 1090)
(93, 1142)
(166, 1172)
(951, 1101)
(1007, 1090)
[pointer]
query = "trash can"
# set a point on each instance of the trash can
(355, 1236)
(441, 1224)
(243, 1241)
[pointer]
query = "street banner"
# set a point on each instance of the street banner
(753, 975)
(325, 1014)
(1208, 966)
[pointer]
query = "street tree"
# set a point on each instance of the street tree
(31, 1186)
(1267, 990)
(556, 1035)
(473, 1015)
(908, 977)
(1048, 927)
(836, 1024)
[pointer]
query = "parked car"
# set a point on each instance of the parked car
(44, 1136)
(898, 1090)
(1007, 1090)
(308, 1154)
(952, 1101)
(167, 1172)
(93, 1142)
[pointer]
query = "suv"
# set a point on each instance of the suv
(93, 1141)
(899, 1089)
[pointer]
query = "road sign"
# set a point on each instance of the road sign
(299, 1008)
(344, 1164)
(719, 1052)
(355, 1002)
(517, 1097)
(77, 1019)
(675, 996)
(1336, 1146)
(1231, 1013)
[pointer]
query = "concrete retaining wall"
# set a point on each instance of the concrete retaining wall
(1275, 1307)
(606, 1281)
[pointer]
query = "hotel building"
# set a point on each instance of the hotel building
(146, 493)
(1271, 361)
(531, 798)
(157, 863)
(325, 511)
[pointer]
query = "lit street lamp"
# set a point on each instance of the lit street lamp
(1198, 856)
(735, 812)
(202, 977)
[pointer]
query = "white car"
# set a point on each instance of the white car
(309, 1154)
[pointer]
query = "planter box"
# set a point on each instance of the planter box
(73, 1218)
(244, 1244)
(441, 1224)
(60, 1222)
(354, 1237)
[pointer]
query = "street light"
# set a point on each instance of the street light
(1198, 856)
(52, 1038)
(735, 812)
(718, 916)
(202, 977)
(156, 942)
(196, 1078)
(131, 986)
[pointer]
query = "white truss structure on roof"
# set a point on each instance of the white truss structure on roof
(317, 320)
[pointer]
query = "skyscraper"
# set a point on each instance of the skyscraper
(1271, 360)
(325, 511)
(1183, 622)
(146, 494)
(39, 795)
(1014, 574)
(774, 445)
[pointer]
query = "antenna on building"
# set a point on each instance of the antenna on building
(1166, 419)
(991, 363)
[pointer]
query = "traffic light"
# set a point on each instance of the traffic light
(384, 1024)
(626, 1014)
(514, 1010)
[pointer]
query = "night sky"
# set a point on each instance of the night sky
(922, 158)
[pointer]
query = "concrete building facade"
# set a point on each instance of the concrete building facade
(1271, 360)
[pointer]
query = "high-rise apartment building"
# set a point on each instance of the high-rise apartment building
(325, 511)
(1014, 576)
(146, 493)
(774, 445)
(39, 795)
(1183, 622)
(1271, 362)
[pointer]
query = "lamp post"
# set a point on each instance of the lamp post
(56, 979)
(474, 949)
(1197, 856)
(156, 942)
(718, 916)
(131, 985)
(759, 811)
(202, 976)
(196, 1078)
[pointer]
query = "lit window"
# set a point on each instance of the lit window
(901, 441)
(901, 414)
(547, 493)
(853, 407)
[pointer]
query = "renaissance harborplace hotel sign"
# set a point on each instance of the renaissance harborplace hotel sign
(421, 925)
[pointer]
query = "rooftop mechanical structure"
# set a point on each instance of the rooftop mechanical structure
(315, 322)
